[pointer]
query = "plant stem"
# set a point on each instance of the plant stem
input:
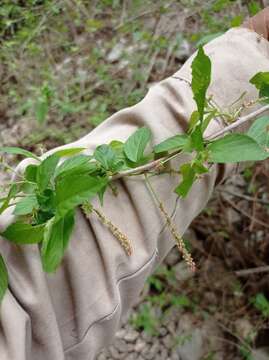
(158, 163)
(239, 122)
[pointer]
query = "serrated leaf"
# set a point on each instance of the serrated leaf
(3, 278)
(176, 142)
(21, 233)
(46, 171)
(105, 155)
(235, 148)
(201, 76)
(136, 144)
(83, 188)
(72, 164)
(56, 238)
(26, 205)
(188, 178)
(18, 151)
(259, 131)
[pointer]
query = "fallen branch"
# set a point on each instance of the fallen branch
(257, 270)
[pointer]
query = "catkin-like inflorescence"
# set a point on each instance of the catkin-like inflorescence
(179, 240)
(119, 235)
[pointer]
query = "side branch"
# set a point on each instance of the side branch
(239, 122)
(158, 163)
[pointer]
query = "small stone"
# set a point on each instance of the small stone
(184, 50)
(101, 357)
(243, 328)
(140, 345)
(261, 354)
(131, 335)
(164, 354)
(120, 334)
(132, 356)
(152, 351)
(115, 53)
(114, 352)
(192, 348)
(163, 331)
(146, 336)
(171, 327)
(183, 272)
(121, 345)
(168, 341)
(232, 216)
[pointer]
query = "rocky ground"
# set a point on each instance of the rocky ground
(79, 59)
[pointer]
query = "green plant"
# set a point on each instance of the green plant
(261, 303)
(145, 319)
(44, 203)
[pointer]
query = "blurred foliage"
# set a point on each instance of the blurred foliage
(71, 63)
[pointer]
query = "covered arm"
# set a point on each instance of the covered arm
(75, 312)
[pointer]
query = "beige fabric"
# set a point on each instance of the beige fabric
(74, 313)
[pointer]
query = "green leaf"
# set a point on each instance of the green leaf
(201, 75)
(254, 7)
(31, 173)
(237, 20)
(199, 167)
(18, 151)
(105, 155)
(194, 120)
(261, 82)
(41, 110)
(259, 131)
(21, 233)
(235, 148)
(117, 146)
(46, 171)
(197, 142)
(3, 278)
(74, 164)
(69, 152)
(135, 145)
(188, 178)
(262, 304)
(26, 205)
(83, 188)
(56, 238)
(176, 142)
(14, 189)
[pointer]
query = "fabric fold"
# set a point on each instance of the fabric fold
(75, 312)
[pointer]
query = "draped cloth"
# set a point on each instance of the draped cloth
(75, 312)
